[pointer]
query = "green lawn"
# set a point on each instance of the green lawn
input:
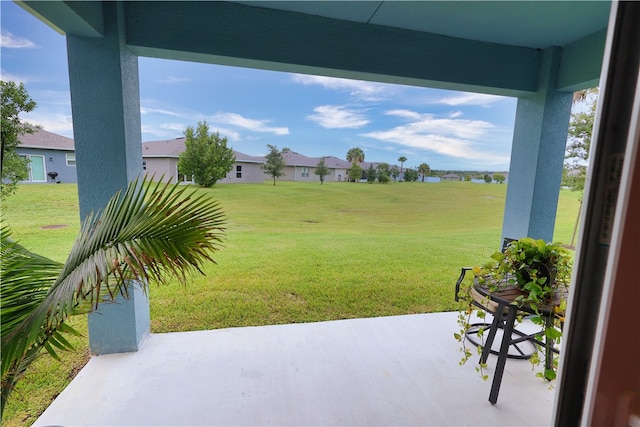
(296, 252)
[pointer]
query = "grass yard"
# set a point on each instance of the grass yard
(296, 252)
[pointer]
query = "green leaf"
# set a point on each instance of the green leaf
(549, 374)
(149, 232)
(552, 333)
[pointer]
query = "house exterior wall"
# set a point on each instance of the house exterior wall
(298, 174)
(54, 161)
(156, 167)
(249, 173)
(337, 175)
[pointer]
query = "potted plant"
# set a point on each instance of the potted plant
(535, 266)
(542, 272)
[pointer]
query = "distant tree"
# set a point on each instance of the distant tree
(355, 155)
(286, 149)
(499, 177)
(354, 172)
(487, 178)
(371, 174)
(15, 100)
(402, 159)
(424, 169)
(384, 179)
(569, 177)
(206, 156)
(410, 175)
(395, 173)
(274, 164)
(383, 170)
(321, 170)
(579, 140)
(467, 177)
(579, 145)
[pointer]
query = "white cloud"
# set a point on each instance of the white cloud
(465, 98)
(337, 117)
(447, 136)
(153, 130)
(428, 123)
(174, 127)
(404, 113)
(176, 130)
(61, 124)
(9, 41)
(49, 97)
(149, 110)
(172, 80)
(250, 124)
(369, 91)
(8, 77)
(231, 135)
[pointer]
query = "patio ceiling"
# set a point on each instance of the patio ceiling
(532, 24)
(490, 47)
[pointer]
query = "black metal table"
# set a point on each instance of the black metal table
(502, 299)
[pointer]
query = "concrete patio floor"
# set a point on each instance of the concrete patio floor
(400, 370)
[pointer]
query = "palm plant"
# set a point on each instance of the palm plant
(355, 155)
(424, 169)
(402, 159)
(151, 232)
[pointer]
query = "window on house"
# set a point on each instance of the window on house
(239, 171)
(71, 159)
(144, 165)
(305, 172)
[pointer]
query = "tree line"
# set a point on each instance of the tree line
(208, 158)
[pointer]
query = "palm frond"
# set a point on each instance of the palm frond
(148, 233)
(26, 279)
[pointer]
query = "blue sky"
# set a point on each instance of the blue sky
(312, 115)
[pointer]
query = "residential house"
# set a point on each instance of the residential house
(303, 168)
(246, 169)
(450, 177)
(48, 153)
(337, 168)
(160, 158)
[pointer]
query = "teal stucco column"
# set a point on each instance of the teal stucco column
(105, 102)
(537, 155)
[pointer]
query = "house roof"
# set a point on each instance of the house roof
(336, 163)
(46, 140)
(163, 148)
(173, 147)
(292, 158)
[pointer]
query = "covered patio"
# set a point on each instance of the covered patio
(400, 370)
(371, 371)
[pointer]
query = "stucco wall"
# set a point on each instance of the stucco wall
(250, 173)
(54, 161)
(295, 173)
(157, 167)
